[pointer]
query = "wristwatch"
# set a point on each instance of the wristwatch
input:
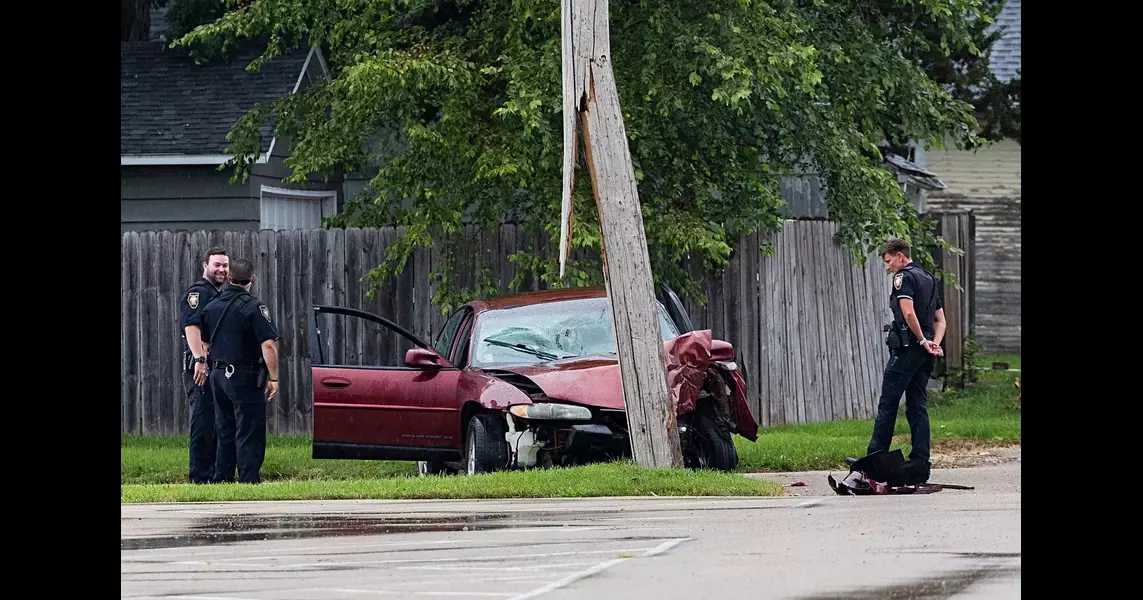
(201, 359)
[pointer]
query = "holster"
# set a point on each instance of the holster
(897, 336)
(188, 360)
(263, 374)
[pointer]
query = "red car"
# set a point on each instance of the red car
(514, 382)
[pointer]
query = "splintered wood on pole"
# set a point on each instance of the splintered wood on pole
(590, 93)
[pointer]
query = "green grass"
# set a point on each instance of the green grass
(981, 415)
(615, 479)
(163, 459)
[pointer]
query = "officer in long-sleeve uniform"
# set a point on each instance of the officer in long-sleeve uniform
(241, 342)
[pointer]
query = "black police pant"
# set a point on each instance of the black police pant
(906, 372)
(240, 416)
(202, 437)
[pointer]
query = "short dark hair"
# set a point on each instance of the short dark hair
(894, 246)
(213, 251)
(241, 271)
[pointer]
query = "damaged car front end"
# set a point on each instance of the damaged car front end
(576, 414)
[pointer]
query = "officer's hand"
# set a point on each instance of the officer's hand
(200, 374)
(271, 390)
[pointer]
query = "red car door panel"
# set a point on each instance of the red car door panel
(380, 408)
(385, 406)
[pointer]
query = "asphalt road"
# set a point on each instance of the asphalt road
(954, 543)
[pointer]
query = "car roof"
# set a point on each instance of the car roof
(540, 297)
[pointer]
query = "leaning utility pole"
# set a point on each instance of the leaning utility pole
(590, 93)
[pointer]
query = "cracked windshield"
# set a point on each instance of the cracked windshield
(540, 333)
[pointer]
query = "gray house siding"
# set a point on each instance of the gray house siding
(202, 197)
(184, 198)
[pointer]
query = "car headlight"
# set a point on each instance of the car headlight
(551, 411)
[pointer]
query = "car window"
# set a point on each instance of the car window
(353, 341)
(562, 329)
(448, 332)
(461, 351)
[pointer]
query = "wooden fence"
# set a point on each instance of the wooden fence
(805, 321)
(959, 229)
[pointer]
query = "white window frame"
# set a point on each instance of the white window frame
(328, 199)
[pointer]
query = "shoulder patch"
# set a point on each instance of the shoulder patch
(265, 311)
(192, 299)
(897, 280)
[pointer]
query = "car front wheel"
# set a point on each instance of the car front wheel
(710, 446)
(485, 449)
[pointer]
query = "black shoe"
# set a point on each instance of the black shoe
(916, 472)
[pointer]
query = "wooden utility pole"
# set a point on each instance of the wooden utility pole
(590, 93)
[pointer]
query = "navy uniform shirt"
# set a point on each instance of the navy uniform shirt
(918, 285)
(193, 301)
(245, 325)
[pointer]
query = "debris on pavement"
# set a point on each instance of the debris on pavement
(796, 484)
(883, 473)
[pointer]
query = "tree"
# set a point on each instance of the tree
(457, 104)
(964, 71)
(135, 20)
(182, 17)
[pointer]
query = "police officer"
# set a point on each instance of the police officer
(241, 344)
(215, 265)
(914, 340)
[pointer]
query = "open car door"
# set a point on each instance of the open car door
(675, 308)
(380, 392)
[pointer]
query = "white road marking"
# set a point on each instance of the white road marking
(599, 568)
(667, 545)
(574, 577)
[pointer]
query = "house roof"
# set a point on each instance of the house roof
(173, 111)
(912, 172)
(1005, 57)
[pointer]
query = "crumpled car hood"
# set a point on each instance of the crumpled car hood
(591, 381)
(595, 380)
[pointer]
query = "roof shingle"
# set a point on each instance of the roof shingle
(1005, 57)
(171, 106)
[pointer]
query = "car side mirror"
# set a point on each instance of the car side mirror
(424, 358)
(720, 350)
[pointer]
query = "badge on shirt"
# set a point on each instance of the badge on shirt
(265, 311)
(192, 299)
(897, 281)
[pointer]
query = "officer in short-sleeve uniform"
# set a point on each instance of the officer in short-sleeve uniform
(909, 366)
(202, 435)
(235, 337)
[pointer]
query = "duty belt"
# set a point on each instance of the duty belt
(222, 364)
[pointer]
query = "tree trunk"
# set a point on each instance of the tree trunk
(589, 90)
(134, 20)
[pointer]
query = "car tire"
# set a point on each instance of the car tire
(711, 447)
(485, 449)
